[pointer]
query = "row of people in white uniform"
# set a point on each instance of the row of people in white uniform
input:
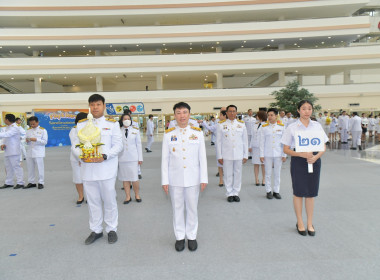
(36, 139)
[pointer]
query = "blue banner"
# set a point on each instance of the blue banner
(58, 123)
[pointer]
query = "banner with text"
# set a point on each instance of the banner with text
(22, 116)
(118, 108)
(58, 123)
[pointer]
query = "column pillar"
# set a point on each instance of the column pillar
(327, 79)
(347, 77)
(219, 80)
(300, 79)
(281, 78)
(159, 82)
(99, 83)
(37, 85)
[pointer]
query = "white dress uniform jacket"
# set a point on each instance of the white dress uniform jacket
(113, 145)
(232, 140)
(132, 150)
(11, 135)
(184, 161)
(36, 149)
(249, 121)
(270, 140)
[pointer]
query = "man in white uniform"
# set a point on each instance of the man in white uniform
(249, 122)
(183, 170)
(11, 148)
(36, 140)
(356, 131)
(232, 152)
(271, 152)
(343, 127)
(99, 176)
(149, 134)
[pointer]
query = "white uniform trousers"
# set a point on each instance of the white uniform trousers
(185, 211)
(249, 144)
(99, 193)
(356, 138)
(12, 168)
(344, 135)
(150, 140)
(32, 163)
(232, 171)
(269, 162)
(213, 138)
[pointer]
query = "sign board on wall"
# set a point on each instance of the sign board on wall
(118, 108)
(22, 116)
(58, 123)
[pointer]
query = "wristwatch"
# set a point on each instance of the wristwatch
(104, 156)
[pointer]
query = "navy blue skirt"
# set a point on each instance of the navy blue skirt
(305, 184)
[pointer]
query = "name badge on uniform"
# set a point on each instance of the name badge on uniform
(225, 126)
(239, 126)
(173, 138)
(106, 128)
(193, 137)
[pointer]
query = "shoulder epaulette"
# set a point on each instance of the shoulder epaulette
(74, 126)
(82, 120)
(196, 128)
(265, 124)
(42, 127)
(170, 129)
(135, 127)
(29, 128)
(222, 121)
(193, 119)
(240, 121)
(280, 123)
(111, 120)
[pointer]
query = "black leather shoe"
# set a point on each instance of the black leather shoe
(127, 201)
(249, 157)
(112, 237)
(221, 185)
(302, 232)
(276, 195)
(230, 199)
(263, 184)
(212, 143)
(180, 245)
(6, 186)
(311, 232)
(30, 185)
(257, 184)
(138, 199)
(80, 201)
(352, 148)
(148, 151)
(360, 147)
(236, 198)
(40, 186)
(19, 186)
(269, 195)
(192, 245)
(140, 177)
(217, 174)
(92, 237)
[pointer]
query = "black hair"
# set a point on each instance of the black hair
(80, 116)
(17, 119)
(303, 102)
(96, 97)
(231, 106)
(10, 117)
(355, 113)
(181, 105)
(224, 112)
(274, 110)
(127, 112)
(33, 118)
(150, 116)
(122, 117)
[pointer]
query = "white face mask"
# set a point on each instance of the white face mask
(127, 122)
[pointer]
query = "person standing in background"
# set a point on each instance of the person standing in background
(36, 140)
(11, 147)
(249, 122)
(149, 134)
